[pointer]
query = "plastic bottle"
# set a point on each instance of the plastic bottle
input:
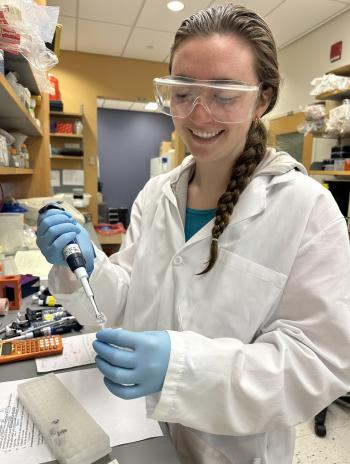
(164, 162)
(4, 156)
(14, 158)
(345, 117)
(32, 107)
(2, 261)
(78, 127)
(25, 156)
(55, 93)
(2, 62)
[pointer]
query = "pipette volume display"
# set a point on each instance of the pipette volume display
(76, 262)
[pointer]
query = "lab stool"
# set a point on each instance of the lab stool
(320, 418)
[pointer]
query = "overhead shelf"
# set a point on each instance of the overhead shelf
(66, 157)
(26, 76)
(66, 136)
(324, 135)
(13, 113)
(5, 171)
(337, 95)
(329, 173)
(66, 115)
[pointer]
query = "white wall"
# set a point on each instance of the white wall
(307, 58)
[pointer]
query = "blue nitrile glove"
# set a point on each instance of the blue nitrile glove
(134, 363)
(56, 228)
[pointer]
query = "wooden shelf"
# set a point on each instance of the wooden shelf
(66, 136)
(5, 171)
(336, 95)
(329, 173)
(66, 115)
(13, 114)
(323, 135)
(342, 71)
(65, 157)
(26, 76)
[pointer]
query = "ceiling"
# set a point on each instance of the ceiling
(144, 29)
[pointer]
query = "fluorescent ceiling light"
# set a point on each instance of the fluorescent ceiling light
(151, 106)
(175, 6)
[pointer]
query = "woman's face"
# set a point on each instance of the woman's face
(216, 57)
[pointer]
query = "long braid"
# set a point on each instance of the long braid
(242, 172)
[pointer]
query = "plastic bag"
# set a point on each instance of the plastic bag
(329, 83)
(29, 237)
(339, 119)
(25, 26)
(315, 112)
(9, 138)
(314, 119)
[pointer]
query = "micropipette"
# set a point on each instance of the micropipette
(76, 261)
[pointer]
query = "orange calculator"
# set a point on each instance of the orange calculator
(19, 350)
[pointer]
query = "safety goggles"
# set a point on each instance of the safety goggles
(226, 101)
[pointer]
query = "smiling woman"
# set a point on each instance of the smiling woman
(232, 282)
(225, 52)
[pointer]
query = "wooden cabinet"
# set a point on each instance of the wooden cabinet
(14, 116)
(60, 142)
(63, 147)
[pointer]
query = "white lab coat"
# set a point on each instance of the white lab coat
(258, 344)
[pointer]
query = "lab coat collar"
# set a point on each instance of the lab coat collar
(275, 168)
(176, 188)
(275, 163)
(251, 202)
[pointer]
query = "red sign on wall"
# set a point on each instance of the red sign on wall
(336, 49)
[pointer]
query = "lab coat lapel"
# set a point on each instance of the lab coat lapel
(251, 202)
(176, 189)
(168, 192)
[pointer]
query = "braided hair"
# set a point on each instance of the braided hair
(242, 172)
(250, 27)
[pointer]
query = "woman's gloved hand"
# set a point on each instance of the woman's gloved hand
(134, 363)
(56, 228)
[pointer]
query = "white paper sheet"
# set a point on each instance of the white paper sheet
(124, 421)
(77, 351)
(18, 435)
(55, 178)
(73, 177)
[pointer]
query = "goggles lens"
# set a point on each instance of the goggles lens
(226, 101)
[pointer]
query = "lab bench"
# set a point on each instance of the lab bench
(150, 451)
